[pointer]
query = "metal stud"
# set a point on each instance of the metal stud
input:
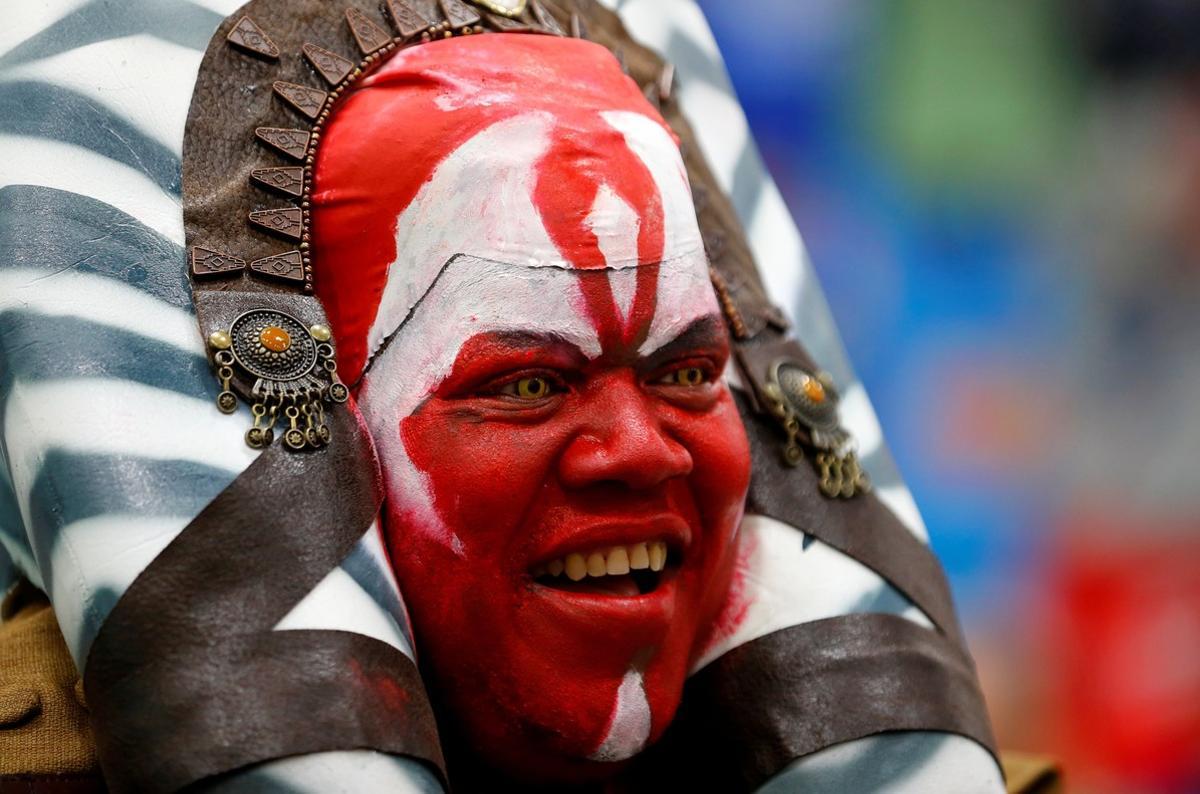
(247, 35)
(408, 20)
(368, 35)
(331, 66)
(288, 180)
(287, 223)
(459, 14)
(293, 143)
(308, 101)
(287, 266)
(207, 262)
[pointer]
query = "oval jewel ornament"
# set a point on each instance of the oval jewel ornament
(288, 370)
(806, 405)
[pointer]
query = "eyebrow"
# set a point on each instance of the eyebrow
(523, 340)
(703, 332)
(499, 342)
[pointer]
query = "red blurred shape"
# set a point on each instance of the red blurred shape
(1125, 648)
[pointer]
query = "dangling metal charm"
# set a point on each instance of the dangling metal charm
(290, 371)
(806, 405)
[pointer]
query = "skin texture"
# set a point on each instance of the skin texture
(545, 357)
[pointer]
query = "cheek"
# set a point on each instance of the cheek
(482, 476)
(719, 482)
(721, 463)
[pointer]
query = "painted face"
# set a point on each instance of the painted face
(565, 467)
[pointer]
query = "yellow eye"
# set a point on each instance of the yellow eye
(531, 388)
(687, 376)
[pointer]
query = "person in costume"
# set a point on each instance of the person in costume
(505, 241)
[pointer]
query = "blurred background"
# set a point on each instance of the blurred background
(1002, 201)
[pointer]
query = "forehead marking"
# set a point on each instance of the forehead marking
(610, 212)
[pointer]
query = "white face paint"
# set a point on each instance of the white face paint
(629, 727)
(479, 201)
(507, 275)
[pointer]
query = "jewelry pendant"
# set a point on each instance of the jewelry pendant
(806, 405)
(286, 367)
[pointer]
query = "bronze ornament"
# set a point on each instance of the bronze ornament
(459, 14)
(251, 38)
(206, 262)
(545, 19)
(330, 65)
(288, 180)
(293, 143)
(294, 373)
(305, 100)
(286, 222)
(367, 34)
(408, 20)
(505, 24)
(288, 266)
(806, 405)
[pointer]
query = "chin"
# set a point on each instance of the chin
(544, 744)
(558, 685)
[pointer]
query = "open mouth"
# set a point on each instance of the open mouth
(622, 571)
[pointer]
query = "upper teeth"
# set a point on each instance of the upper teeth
(615, 561)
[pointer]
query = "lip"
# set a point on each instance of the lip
(586, 536)
(639, 618)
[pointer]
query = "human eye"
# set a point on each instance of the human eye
(687, 374)
(530, 387)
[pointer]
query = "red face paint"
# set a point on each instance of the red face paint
(612, 457)
(605, 300)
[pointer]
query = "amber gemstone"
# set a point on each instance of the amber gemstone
(275, 339)
(814, 391)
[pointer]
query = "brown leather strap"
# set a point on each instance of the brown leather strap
(862, 527)
(187, 678)
(199, 712)
(811, 686)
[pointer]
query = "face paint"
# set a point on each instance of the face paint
(546, 399)
(494, 481)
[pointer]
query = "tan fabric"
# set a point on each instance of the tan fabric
(1031, 774)
(43, 723)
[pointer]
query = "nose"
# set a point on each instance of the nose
(622, 440)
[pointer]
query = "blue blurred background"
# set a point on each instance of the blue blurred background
(1002, 201)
